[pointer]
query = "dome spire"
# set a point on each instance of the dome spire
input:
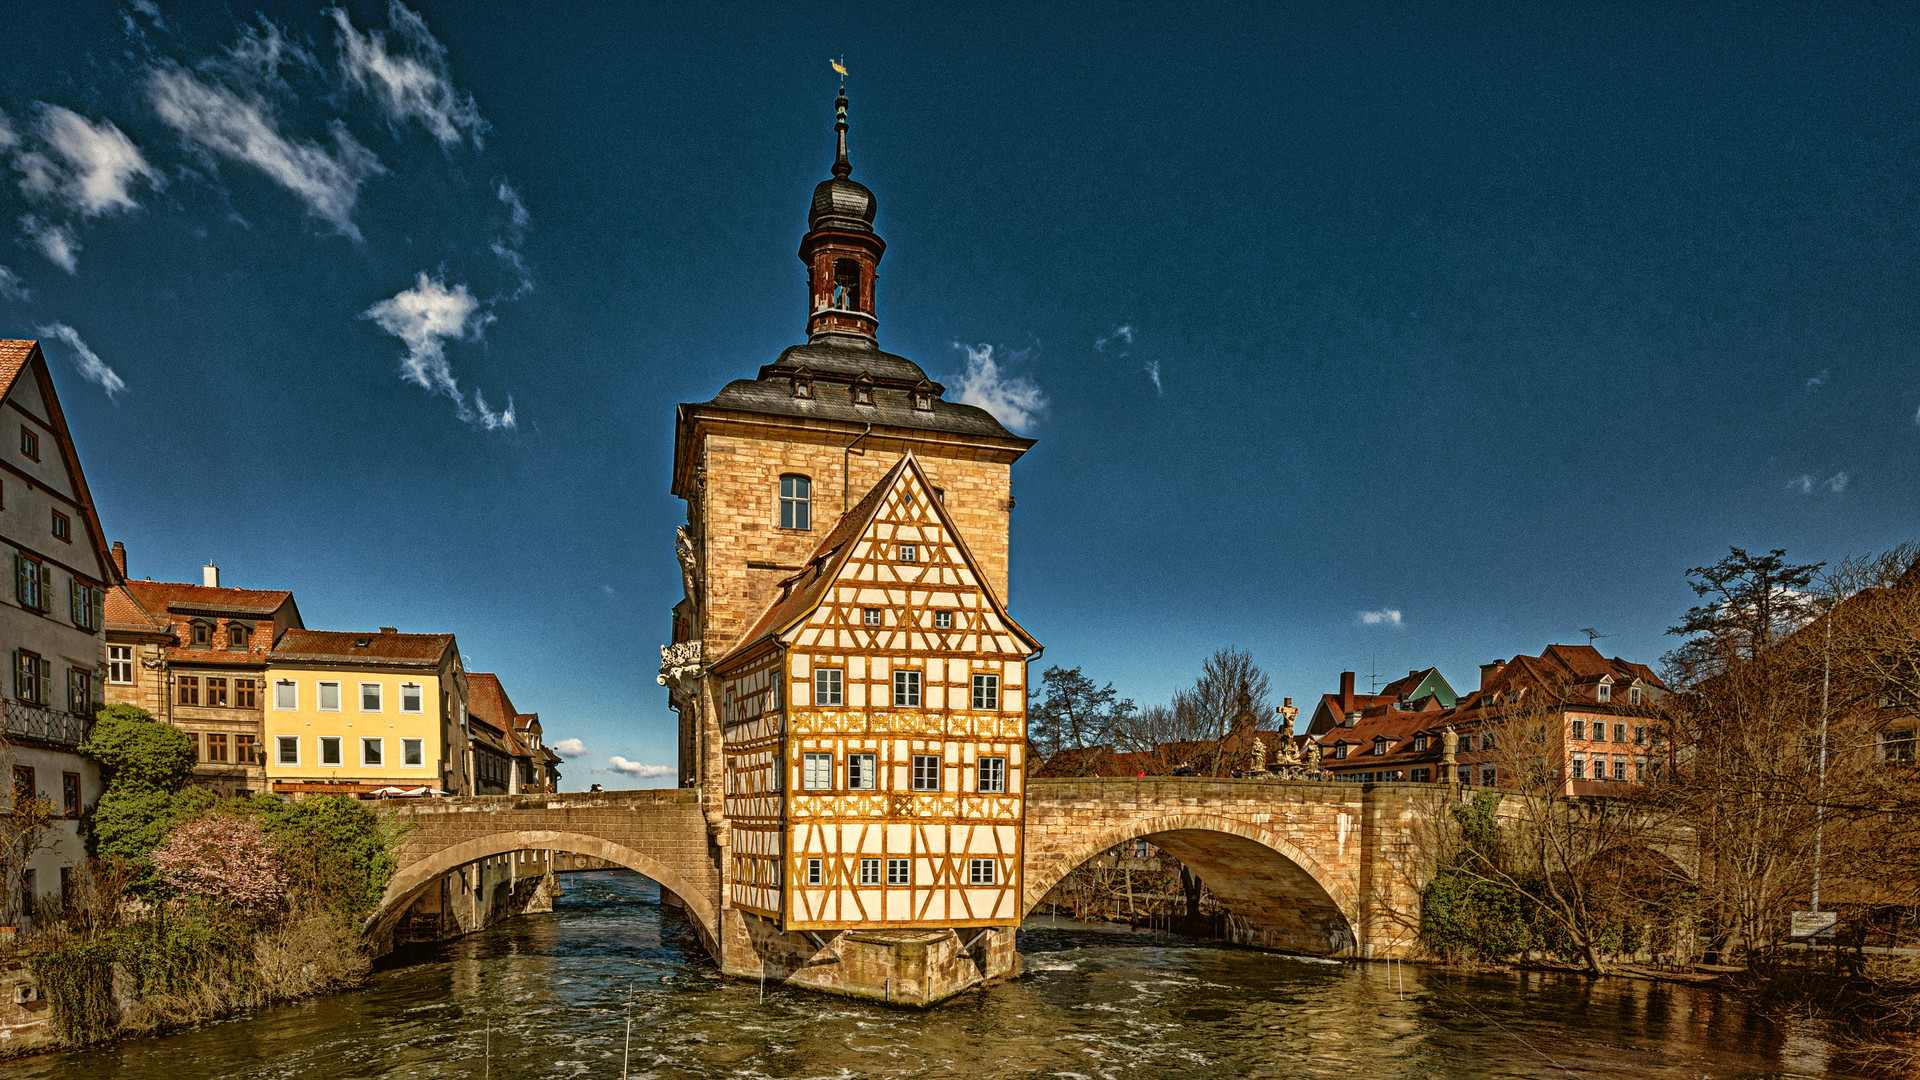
(841, 167)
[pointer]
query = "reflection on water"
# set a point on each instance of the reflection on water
(550, 996)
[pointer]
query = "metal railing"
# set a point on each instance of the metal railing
(19, 720)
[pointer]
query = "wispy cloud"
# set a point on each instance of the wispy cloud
(1815, 382)
(1382, 617)
(1153, 372)
(1122, 335)
(152, 11)
(12, 286)
(412, 81)
(80, 166)
(1015, 400)
(508, 247)
(425, 318)
(241, 125)
(1807, 483)
(85, 360)
(55, 241)
(569, 748)
(633, 768)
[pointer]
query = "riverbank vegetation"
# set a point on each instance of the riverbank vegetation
(195, 906)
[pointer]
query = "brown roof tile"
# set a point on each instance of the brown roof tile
(13, 357)
(124, 612)
(488, 700)
(158, 596)
(335, 646)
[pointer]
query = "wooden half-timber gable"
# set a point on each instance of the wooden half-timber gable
(860, 609)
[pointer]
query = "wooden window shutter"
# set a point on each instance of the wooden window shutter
(98, 697)
(99, 608)
(20, 591)
(74, 602)
(73, 690)
(46, 681)
(20, 674)
(46, 587)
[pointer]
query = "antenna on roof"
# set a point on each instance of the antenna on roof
(1594, 635)
(1373, 675)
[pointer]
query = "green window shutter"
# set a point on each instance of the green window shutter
(19, 675)
(46, 587)
(97, 694)
(20, 591)
(99, 610)
(46, 681)
(73, 691)
(73, 602)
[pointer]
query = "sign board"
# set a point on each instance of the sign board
(1808, 924)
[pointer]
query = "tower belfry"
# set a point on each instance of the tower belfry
(850, 684)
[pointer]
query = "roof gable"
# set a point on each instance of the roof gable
(859, 566)
(25, 378)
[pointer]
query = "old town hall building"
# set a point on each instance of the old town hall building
(851, 688)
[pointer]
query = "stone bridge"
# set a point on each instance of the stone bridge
(1321, 868)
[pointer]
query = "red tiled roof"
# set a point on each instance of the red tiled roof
(158, 596)
(125, 612)
(342, 647)
(13, 358)
(488, 700)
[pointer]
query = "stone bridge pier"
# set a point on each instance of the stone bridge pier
(1323, 868)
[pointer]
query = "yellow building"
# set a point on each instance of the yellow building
(351, 713)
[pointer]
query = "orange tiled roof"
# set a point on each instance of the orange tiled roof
(488, 700)
(13, 358)
(124, 612)
(343, 647)
(158, 596)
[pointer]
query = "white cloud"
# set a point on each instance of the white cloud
(1121, 334)
(569, 748)
(151, 10)
(508, 247)
(1153, 372)
(87, 168)
(88, 362)
(516, 209)
(1837, 483)
(55, 241)
(408, 87)
(634, 768)
(1382, 617)
(9, 138)
(1015, 400)
(1807, 483)
(1815, 382)
(243, 127)
(1802, 483)
(425, 318)
(12, 286)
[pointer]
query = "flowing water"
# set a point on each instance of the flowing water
(551, 995)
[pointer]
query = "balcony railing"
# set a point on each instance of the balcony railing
(22, 721)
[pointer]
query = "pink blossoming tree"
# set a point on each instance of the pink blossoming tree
(225, 862)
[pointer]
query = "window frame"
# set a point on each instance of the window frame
(379, 745)
(246, 693)
(870, 872)
(71, 797)
(863, 771)
(795, 502)
(29, 443)
(1576, 766)
(899, 873)
(870, 616)
(281, 743)
(829, 687)
(186, 690)
(908, 688)
(985, 695)
(908, 553)
(220, 683)
(816, 771)
(943, 619)
(419, 698)
(379, 696)
(339, 752)
(983, 872)
(994, 781)
(815, 872)
(419, 746)
(216, 740)
(924, 775)
(114, 664)
(62, 527)
(320, 695)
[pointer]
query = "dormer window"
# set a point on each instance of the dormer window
(202, 635)
(236, 636)
(1419, 744)
(923, 396)
(803, 384)
(1339, 750)
(1380, 746)
(1633, 695)
(1604, 692)
(863, 389)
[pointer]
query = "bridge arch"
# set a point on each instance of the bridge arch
(414, 878)
(1293, 901)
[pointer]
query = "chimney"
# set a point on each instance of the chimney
(1489, 672)
(210, 576)
(1353, 718)
(120, 557)
(1346, 690)
(388, 630)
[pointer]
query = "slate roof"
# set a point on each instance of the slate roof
(383, 649)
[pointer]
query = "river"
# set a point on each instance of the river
(549, 996)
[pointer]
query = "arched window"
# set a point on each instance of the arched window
(796, 502)
(846, 285)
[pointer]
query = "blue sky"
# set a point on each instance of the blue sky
(1368, 339)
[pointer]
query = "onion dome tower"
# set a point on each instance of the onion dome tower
(841, 250)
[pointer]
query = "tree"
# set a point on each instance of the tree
(1072, 724)
(1214, 701)
(25, 829)
(1753, 602)
(144, 768)
(225, 862)
(337, 853)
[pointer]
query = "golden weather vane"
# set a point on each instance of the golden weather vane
(840, 66)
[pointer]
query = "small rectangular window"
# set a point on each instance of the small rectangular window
(413, 753)
(906, 689)
(1633, 695)
(329, 697)
(909, 553)
(1578, 769)
(410, 697)
(217, 692)
(189, 687)
(1640, 770)
(1422, 776)
(369, 697)
(814, 872)
(863, 771)
(796, 502)
(29, 443)
(1605, 692)
(869, 871)
(373, 752)
(986, 692)
(1578, 729)
(993, 775)
(870, 616)
(1639, 735)
(288, 752)
(1620, 767)
(926, 772)
(246, 750)
(243, 694)
(827, 686)
(70, 794)
(23, 782)
(120, 664)
(1488, 775)
(943, 620)
(286, 694)
(899, 872)
(329, 750)
(1486, 740)
(62, 527)
(816, 771)
(1620, 733)
(216, 747)
(980, 871)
